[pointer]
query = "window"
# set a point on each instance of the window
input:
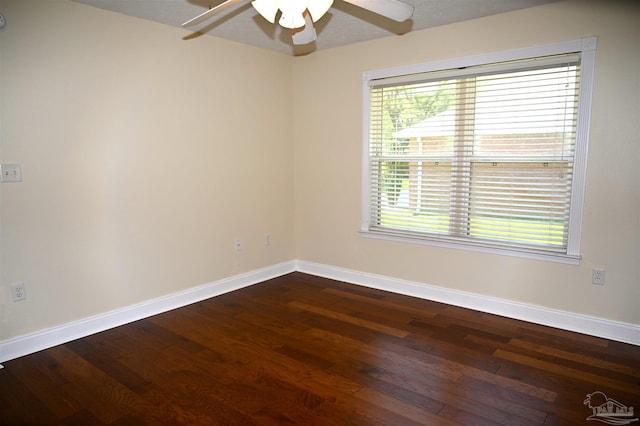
(486, 152)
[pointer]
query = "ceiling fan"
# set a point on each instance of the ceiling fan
(299, 15)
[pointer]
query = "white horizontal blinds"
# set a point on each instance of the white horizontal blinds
(476, 70)
(480, 154)
(398, 183)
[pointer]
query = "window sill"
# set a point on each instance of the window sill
(501, 251)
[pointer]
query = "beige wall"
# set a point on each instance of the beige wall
(328, 147)
(144, 156)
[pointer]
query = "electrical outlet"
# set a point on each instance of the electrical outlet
(597, 276)
(18, 292)
(238, 245)
(267, 239)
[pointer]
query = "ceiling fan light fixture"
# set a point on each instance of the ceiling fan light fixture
(292, 10)
(292, 13)
(299, 15)
(266, 8)
(317, 8)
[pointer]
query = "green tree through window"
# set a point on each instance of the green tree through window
(403, 107)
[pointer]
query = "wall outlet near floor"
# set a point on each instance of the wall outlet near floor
(18, 292)
(238, 245)
(267, 239)
(597, 276)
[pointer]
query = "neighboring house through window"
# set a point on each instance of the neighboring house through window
(486, 152)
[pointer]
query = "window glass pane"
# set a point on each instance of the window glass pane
(521, 202)
(420, 201)
(526, 113)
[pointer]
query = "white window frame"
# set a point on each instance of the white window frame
(587, 48)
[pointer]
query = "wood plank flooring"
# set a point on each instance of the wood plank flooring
(306, 350)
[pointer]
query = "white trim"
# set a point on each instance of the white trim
(583, 44)
(587, 70)
(366, 164)
(482, 248)
(30, 343)
(600, 327)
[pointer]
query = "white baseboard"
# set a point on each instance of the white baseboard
(30, 343)
(600, 327)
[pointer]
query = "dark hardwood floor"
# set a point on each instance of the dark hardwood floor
(305, 350)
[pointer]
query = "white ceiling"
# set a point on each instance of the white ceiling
(343, 24)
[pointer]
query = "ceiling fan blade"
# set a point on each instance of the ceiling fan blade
(211, 12)
(307, 34)
(392, 9)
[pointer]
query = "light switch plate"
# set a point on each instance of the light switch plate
(11, 172)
